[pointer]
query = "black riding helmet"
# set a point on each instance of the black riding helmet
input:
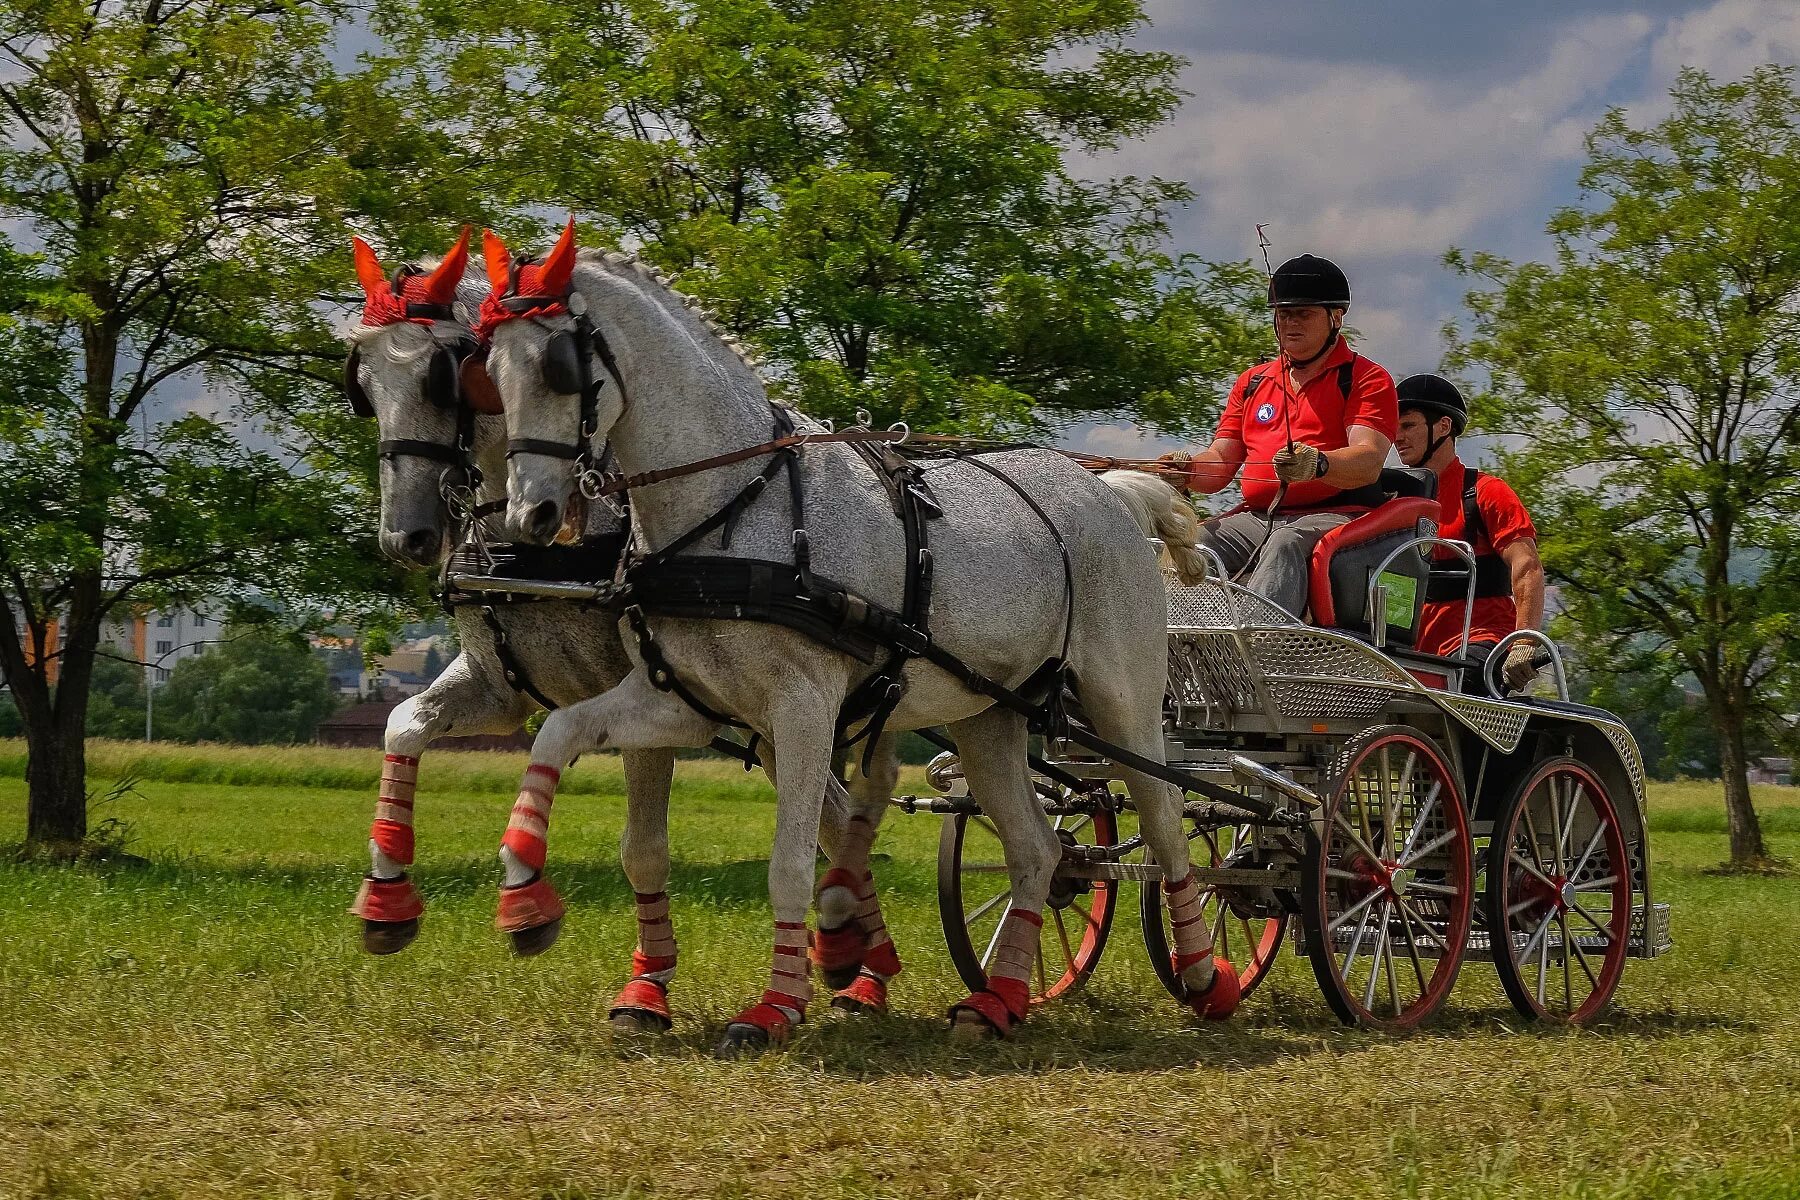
(1309, 281)
(1436, 397)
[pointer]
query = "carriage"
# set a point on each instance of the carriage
(1391, 825)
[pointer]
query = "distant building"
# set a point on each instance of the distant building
(159, 638)
(365, 725)
(1778, 771)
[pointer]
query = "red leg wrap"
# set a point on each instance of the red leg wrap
(392, 831)
(837, 949)
(642, 995)
(767, 1015)
(643, 964)
(388, 900)
(883, 960)
(528, 907)
(869, 993)
(1222, 995)
(1001, 1004)
(394, 840)
(529, 826)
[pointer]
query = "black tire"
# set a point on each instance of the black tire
(1088, 913)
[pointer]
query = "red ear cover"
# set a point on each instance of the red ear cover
(368, 268)
(498, 259)
(553, 277)
(440, 285)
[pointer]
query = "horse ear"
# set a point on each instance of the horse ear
(440, 285)
(498, 259)
(368, 268)
(559, 267)
(478, 390)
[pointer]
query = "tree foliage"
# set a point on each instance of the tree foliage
(878, 196)
(167, 430)
(255, 688)
(1655, 361)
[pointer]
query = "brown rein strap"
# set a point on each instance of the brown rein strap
(613, 483)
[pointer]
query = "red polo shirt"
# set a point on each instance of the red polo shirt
(1506, 522)
(1320, 416)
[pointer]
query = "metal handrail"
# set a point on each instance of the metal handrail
(1498, 654)
(1378, 593)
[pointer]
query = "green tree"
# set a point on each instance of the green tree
(255, 688)
(181, 167)
(1656, 362)
(876, 196)
(116, 699)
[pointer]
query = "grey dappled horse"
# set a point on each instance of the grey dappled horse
(568, 652)
(679, 394)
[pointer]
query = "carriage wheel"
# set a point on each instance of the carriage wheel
(1388, 888)
(974, 894)
(1559, 895)
(1249, 943)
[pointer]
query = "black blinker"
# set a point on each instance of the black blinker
(359, 399)
(562, 364)
(443, 383)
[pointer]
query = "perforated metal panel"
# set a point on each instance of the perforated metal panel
(1206, 605)
(1500, 725)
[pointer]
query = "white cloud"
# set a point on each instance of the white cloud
(1123, 440)
(1728, 40)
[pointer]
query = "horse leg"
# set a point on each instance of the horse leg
(631, 716)
(1115, 706)
(802, 752)
(849, 913)
(461, 700)
(643, 1004)
(991, 745)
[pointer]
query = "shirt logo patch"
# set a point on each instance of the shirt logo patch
(1265, 412)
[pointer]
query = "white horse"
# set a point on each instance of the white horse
(405, 372)
(1005, 600)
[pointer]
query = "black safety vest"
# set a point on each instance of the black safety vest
(1493, 577)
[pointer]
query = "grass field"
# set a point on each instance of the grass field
(205, 1025)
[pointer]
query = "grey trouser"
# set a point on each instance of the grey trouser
(1284, 566)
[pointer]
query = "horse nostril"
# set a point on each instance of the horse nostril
(544, 517)
(422, 544)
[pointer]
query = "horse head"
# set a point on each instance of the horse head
(414, 369)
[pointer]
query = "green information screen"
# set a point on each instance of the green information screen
(1402, 599)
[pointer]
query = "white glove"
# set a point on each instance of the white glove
(1519, 669)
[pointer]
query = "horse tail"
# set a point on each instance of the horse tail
(1162, 513)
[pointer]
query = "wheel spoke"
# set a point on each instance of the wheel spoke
(1434, 889)
(1532, 842)
(983, 868)
(1568, 985)
(1083, 820)
(1422, 819)
(1381, 942)
(1412, 947)
(1532, 871)
(1085, 915)
(1544, 958)
(1581, 958)
(969, 921)
(1599, 835)
(1542, 929)
(1362, 930)
(993, 942)
(1062, 933)
(1424, 926)
(1387, 802)
(1556, 850)
(1576, 791)
(1393, 984)
(1360, 842)
(1351, 912)
(1434, 844)
(1591, 920)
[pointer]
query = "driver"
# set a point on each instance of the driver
(1311, 428)
(1478, 508)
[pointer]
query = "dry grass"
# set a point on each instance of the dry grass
(205, 1026)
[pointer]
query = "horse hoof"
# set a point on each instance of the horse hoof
(389, 937)
(969, 1028)
(854, 1007)
(537, 939)
(839, 978)
(638, 1020)
(742, 1040)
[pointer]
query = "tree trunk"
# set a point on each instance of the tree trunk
(1747, 849)
(56, 778)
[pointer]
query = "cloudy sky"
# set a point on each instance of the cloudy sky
(1381, 134)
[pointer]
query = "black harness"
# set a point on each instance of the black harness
(670, 583)
(1493, 577)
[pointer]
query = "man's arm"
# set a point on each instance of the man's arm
(1360, 462)
(1527, 581)
(1209, 471)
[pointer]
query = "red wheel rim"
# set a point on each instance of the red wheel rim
(1393, 887)
(1562, 914)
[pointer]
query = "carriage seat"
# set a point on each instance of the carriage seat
(1344, 559)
